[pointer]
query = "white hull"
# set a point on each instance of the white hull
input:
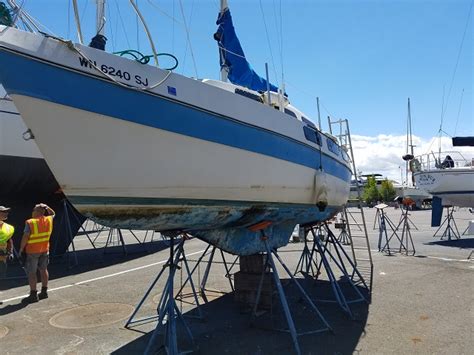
(109, 157)
(454, 186)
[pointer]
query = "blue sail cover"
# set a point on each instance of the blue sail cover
(232, 56)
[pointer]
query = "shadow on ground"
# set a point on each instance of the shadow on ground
(227, 328)
(83, 261)
(463, 243)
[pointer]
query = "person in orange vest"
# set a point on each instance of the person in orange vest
(6, 244)
(35, 244)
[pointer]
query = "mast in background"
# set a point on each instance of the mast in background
(409, 152)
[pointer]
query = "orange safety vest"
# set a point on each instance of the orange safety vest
(40, 232)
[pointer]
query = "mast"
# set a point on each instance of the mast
(319, 114)
(410, 141)
(224, 72)
(100, 17)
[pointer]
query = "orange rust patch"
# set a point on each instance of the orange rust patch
(423, 317)
(416, 340)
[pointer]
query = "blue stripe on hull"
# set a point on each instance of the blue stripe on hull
(66, 87)
(221, 223)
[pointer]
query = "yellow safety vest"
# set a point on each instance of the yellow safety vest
(6, 232)
(40, 232)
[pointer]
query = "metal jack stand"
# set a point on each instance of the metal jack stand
(383, 222)
(168, 313)
(67, 212)
(339, 256)
(270, 264)
(344, 238)
(410, 222)
(202, 285)
(451, 230)
(307, 264)
(406, 235)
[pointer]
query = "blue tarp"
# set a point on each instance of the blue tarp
(232, 56)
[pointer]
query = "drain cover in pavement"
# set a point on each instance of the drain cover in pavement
(3, 331)
(91, 315)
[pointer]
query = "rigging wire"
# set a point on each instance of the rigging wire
(176, 21)
(171, 17)
(111, 27)
(187, 35)
(269, 43)
(459, 112)
(137, 28)
(123, 24)
(307, 93)
(457, 59)
(68, 35)
(145, 26)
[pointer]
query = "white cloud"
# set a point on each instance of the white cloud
(382, 154)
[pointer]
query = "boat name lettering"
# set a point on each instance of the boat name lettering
(426, 179)
(112, 71)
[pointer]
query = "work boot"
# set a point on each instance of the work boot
(32, 298)
(43, 294)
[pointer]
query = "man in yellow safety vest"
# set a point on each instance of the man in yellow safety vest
(6, 243)
(35, 243)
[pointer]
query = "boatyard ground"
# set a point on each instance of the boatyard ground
(421, 304)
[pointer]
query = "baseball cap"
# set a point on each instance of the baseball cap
(4, 209)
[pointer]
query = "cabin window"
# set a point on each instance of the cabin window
(332, 146)
(312, 135)
(308, 122)
(291, 113)
(249, 95)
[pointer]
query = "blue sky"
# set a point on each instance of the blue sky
(362, 58)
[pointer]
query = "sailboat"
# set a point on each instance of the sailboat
(448, 177)
(140, 147)
(409, 190)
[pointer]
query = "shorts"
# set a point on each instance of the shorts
(36, 261)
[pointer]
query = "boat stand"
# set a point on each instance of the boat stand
(410, 222)
(115, 238)
(340, 257)
(271, 266)
(344, 238)
(451, 231)
(211, 251)
(406, 240)
(168, 313)
(384, 221)
(65, 220)
(307, 264)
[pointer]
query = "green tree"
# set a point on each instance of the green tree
(371, 193)
(387, 191)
